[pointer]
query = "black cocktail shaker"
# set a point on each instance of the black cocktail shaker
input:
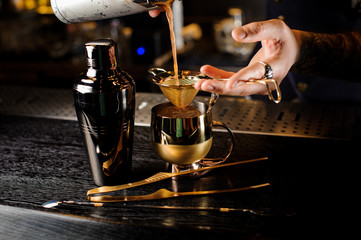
(104, 98)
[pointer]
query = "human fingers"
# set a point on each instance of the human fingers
(219, 86)
(253, 71)
(232, 79)
(214, 72)
(211, 72)
(278, 40)
(258, 31)
(280, 65)
(279, 50)
(154, 13)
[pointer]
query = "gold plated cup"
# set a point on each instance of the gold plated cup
(183, 137)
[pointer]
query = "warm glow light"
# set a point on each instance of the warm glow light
(41, 6)
(44, 10)
(30, 4)
(44, 7)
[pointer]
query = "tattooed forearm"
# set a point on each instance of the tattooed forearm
(330, 55)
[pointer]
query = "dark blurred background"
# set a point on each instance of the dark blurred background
(37, 49)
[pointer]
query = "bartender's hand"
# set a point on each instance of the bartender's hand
(280, 49)
(154, 13)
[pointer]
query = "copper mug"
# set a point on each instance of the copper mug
(184, 141)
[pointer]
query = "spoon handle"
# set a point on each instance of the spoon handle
(162, 176)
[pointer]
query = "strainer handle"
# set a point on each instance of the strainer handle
(156, 71)
(269, 90)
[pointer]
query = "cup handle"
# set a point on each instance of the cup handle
(214, 161)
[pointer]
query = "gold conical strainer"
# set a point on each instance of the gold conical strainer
(179, 95)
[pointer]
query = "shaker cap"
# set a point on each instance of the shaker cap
(101, 54)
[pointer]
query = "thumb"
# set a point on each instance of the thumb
(258, 31)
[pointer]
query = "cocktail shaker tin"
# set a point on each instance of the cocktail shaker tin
(104, 98)
(73, 11)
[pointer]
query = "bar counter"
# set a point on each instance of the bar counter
(42, 158)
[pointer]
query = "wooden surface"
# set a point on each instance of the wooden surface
(44, 159)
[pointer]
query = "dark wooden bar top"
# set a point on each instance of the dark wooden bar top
(311, 181)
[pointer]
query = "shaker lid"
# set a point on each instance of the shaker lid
(101, 54)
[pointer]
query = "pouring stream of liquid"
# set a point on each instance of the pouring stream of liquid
(167, 6)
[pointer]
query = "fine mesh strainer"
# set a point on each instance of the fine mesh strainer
(179, 95)
(183, 94)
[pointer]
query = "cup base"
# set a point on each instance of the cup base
(174, 168)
